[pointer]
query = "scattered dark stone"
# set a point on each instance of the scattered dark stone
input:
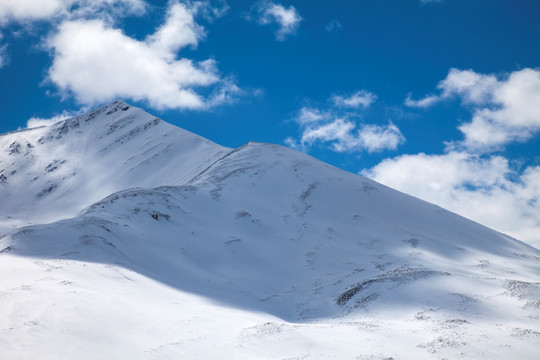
(46, 191)
(412, 241)
(307, 193)
(241, 214)
(54, 165)
(158, 216)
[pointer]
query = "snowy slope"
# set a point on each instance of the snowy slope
(50, 173)
(265, 253)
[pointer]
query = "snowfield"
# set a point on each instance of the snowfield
(125, 237)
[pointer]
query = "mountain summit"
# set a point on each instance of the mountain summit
(146, 241)
(53, 172)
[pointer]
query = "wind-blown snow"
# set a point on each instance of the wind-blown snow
(257, 252)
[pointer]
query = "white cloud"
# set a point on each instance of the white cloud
(377, 138)
(107, 10)
(287, 19)
(335, 128)
(504, 109)
(480, 188)
(178, 31)
(422, 103)
(226, 92)
(55, 11)
(513, 113)
(361, 98)
(309, 115)
(343, 135)
(29, 9)
(471, 87)
(211, 11)
(32, 10)
(37, 121)
(96, 63)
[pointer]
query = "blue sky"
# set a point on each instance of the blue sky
(440, 99)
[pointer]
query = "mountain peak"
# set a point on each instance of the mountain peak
(75, 162)
(110, 109)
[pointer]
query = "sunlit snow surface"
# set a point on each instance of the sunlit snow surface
(188, 250)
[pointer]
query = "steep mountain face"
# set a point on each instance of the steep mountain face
(256, 252)
(54, 172)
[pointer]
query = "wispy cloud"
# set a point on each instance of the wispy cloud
(3, 52)
(425, 102)
(361, 98)
(287, 19)
(333, 25)
(335, 127)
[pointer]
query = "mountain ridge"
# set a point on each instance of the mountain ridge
(271, 254)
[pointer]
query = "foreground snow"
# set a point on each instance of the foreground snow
(74, 310)
(257, 252)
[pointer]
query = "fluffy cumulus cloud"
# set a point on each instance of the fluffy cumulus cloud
(335, 128)
(27, 12)
(483, 188)
(504, 109)
(97, 62)
(287, 19)
(178, 31)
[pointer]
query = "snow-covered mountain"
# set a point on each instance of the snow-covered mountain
(170, 246)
